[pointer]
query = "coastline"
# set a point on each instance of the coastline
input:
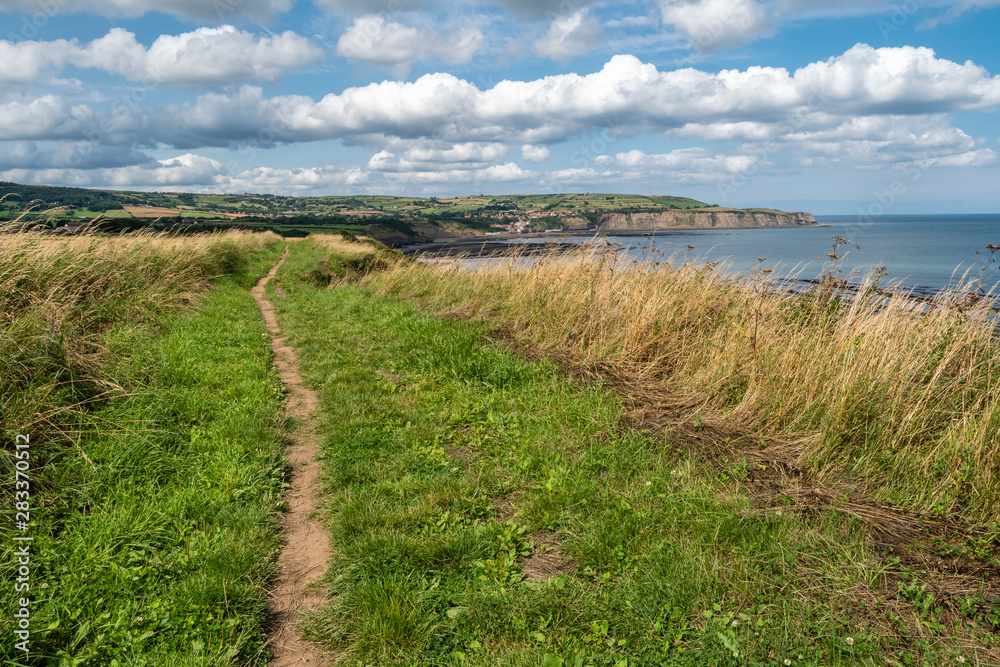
(449, 246)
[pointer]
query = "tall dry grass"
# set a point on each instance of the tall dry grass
(61, 295)
(900, 398)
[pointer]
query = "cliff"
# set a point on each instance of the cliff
(702, 219)
(418, 232)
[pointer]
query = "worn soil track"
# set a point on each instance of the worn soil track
(304, 557)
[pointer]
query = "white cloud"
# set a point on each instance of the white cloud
(25, 62)
(323, 180)
(371, 6)
(189, 170)
(219, 10)
(206, 55)
(574, 175)
(371, 39)
(957, 10)
(716, 25)
(422, 157)
(570, 36)
(727, 131)
(461, 163)
(471, 153)
(901, 80)
(68, 155)
(626, 97)
(535, 153)
(687, 165)
(879, 141)
(47, 117)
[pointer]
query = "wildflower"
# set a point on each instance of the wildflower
(961, 659)
(735, 623)
(736, 654)
(787, 661)
(44, 586)
(135, 578)
(139, 619)
(649, 484)
(849, 641)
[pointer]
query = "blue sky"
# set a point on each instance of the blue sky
(833, 107)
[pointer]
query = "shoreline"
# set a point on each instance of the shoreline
(450, 246)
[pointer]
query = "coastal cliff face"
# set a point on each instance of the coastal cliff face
(420, 232)
(702, 220)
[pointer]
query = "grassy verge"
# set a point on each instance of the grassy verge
(906, 406)
(156, 460)
(486, 510)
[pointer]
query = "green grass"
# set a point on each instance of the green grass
(155, 531)
(453, 466)
(197, 214)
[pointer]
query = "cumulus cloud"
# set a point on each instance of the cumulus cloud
(68, 155)
(625, 97)
(204, 56)
(524, 9)
(878, 141)
(219, 10)
(535, 153)
(371, 6)
(372, 39)
(461, 163)
(570, 36)
(46, 117)
(465, 156)
(470, 153)
(25, 62)
(716, 25)
(380, 174)
(687, 165)
(193, 171)
(901, 80)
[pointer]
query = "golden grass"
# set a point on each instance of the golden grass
(899, 398)
(61, 295)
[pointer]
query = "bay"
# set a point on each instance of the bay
(923, 252)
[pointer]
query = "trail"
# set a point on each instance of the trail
(304, 557)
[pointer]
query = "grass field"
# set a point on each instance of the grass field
(571, 463)
(687, 473)
(155, 469)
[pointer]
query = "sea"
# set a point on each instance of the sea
(923, 253)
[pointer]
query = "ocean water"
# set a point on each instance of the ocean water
(923, 252)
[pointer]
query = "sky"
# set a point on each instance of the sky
(827, 106)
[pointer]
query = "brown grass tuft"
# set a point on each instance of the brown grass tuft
(899, 395)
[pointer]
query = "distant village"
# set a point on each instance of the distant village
(514, 222)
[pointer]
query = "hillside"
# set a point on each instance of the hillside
(394, 220)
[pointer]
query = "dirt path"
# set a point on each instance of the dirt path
(304, 557)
